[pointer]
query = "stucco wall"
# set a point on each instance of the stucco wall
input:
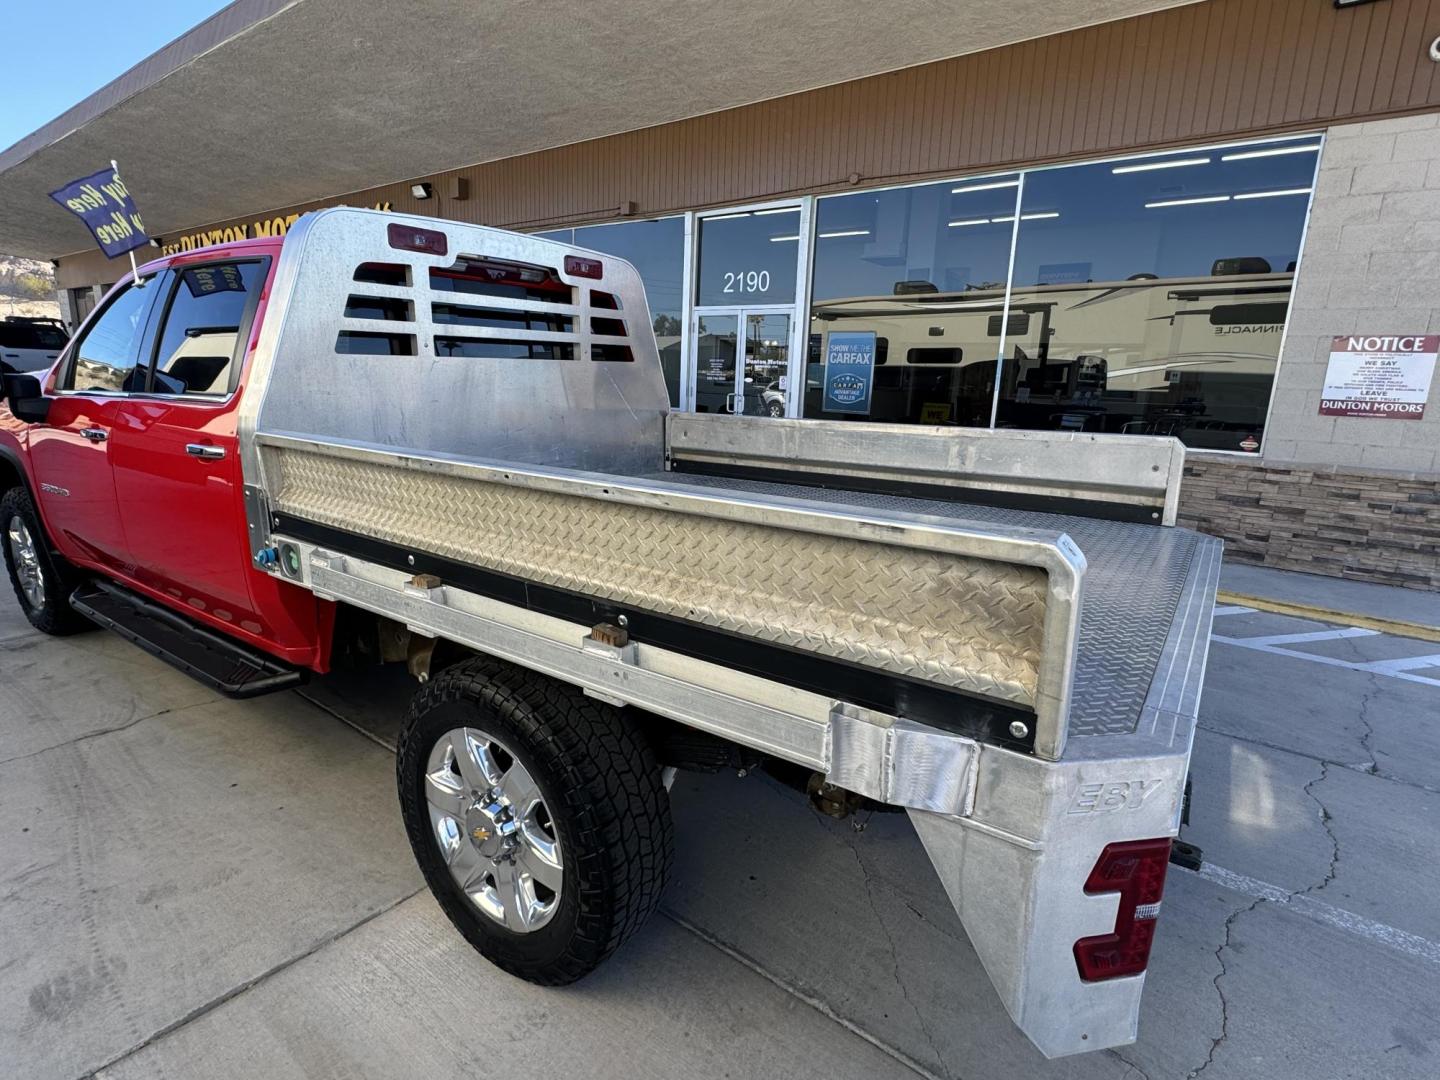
(1371, 265)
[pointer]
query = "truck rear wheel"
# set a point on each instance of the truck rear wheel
(538, 817)
(42, 581)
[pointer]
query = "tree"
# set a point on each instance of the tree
(34, 286)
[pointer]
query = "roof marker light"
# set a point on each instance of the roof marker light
(578, 266)
(409, 238)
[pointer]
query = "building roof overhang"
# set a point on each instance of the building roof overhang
(272, 103)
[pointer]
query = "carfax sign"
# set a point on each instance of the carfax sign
(849, 371)
(1382, 376)
(103, 202)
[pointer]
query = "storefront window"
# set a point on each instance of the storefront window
(923, 270)
(1150, 295)
(1147, 295)
(656, 249)
(748, 257)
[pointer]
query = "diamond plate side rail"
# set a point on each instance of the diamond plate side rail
(972, 624)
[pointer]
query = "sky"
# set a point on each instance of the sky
(58, 54)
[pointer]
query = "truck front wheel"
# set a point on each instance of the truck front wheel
(41, 580)
(538, 817)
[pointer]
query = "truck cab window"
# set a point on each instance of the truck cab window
(199, 341)
(106, 356)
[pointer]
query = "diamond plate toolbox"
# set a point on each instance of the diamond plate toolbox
(971, 624)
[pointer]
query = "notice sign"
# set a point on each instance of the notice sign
(1386, 376)
(849, 371)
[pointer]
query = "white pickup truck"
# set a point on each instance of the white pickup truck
(396, 438)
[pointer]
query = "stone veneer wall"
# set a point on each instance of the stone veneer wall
(1366, 525)
(1371, 265)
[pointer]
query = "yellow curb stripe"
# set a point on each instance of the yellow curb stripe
(1398, 627)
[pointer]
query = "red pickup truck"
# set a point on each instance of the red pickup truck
(142, 416)
(396, 439)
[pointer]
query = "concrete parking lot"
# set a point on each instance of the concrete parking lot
(194, 887)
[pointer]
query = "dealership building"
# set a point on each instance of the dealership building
(1216, 220)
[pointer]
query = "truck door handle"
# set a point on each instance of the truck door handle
(94, 434)
(205, 451)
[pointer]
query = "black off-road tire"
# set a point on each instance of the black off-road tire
(602, 785)
(54, 616)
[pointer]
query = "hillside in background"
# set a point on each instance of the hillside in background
(27, 287)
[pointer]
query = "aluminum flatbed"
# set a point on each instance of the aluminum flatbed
(1001, 632)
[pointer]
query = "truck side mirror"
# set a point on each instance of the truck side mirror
(27, 403)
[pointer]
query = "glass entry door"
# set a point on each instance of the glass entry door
(742, 361)
(749, 275)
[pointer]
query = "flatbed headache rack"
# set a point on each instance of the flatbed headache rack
(467, 431)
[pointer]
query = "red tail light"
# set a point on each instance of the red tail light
(1136, 870)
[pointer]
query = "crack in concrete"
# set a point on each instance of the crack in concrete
(815, 1002)
(1131, 1067)
(249, 984)
(1364, 716)
(895, 958)
(1326, 824)
(1290, 894)
(126, 726)
(1219, 1040)
(1363, 769)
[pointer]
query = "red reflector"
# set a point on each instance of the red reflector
(586, 268)
(1136, 870)
(409, 238)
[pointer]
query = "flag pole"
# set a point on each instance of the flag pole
(134, 268)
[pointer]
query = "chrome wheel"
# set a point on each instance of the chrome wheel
(26, 558)
(493, 829)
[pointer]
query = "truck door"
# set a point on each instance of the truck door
(175, 449)
(71, 452)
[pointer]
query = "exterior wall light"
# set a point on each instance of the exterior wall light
(421, 191)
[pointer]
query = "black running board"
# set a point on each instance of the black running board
(218, 661)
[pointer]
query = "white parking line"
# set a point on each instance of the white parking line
(1400, 940)
(1234, 609)
(1409, 663)
(1370, 667)
(1314, 635)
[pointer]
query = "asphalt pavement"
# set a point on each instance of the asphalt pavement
(194, 887)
